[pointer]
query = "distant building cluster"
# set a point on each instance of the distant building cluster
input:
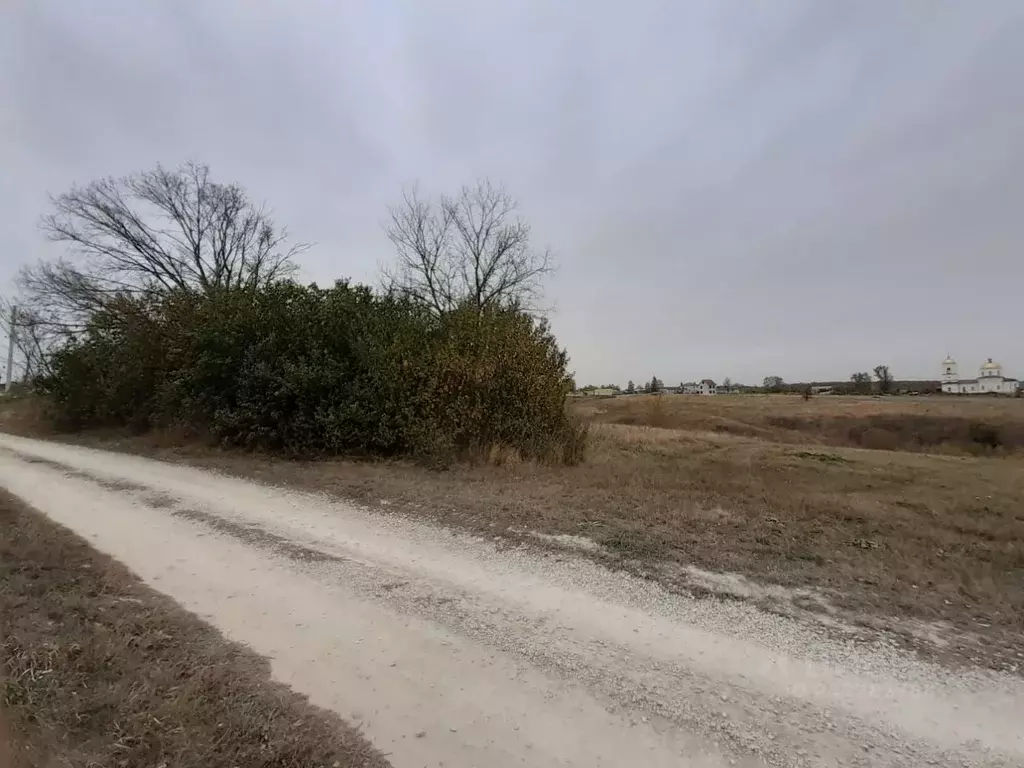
(989, 381)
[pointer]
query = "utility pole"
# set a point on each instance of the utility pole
(10, 347)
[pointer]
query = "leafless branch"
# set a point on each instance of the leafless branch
(34, 338)
(150, 233)
(471, 248)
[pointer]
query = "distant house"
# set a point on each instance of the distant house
(703, 387)
(599, 391)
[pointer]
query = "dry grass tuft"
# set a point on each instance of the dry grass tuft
(100, 670)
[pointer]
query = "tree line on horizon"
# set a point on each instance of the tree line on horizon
(859, 383)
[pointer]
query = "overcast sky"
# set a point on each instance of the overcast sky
(732, 188)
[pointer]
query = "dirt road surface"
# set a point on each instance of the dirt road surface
(459, 651)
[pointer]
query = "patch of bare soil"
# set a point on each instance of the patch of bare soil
(100, 670)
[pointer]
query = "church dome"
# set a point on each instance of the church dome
(988, 365)
(949, 361)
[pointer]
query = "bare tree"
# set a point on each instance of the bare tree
(471, 248)
(884, 377)
(33, 340)
(150, 233)
(861, 382)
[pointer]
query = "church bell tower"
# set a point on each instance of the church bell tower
(949, 372)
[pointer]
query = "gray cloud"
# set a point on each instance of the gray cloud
(804, 188)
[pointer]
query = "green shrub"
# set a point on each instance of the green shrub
(110, 375)
(497, 378)
(303, 370)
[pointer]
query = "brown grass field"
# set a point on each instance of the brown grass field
(933, 424)
(891, 509)
(99, 670)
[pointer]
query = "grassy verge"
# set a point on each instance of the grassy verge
(98, 670)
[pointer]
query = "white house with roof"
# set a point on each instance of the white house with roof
(705, 387)
(990, 380)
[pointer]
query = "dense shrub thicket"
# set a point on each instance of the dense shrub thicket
(304, 370)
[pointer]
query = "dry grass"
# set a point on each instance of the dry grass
(99, 670)
(955, 425)
(718, 484)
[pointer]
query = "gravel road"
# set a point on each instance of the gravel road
(458, 651)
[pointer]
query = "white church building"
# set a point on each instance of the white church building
(990, 380)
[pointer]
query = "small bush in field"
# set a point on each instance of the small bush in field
(656, 414)
(304, 370)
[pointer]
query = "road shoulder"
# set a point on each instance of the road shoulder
(100, 669)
